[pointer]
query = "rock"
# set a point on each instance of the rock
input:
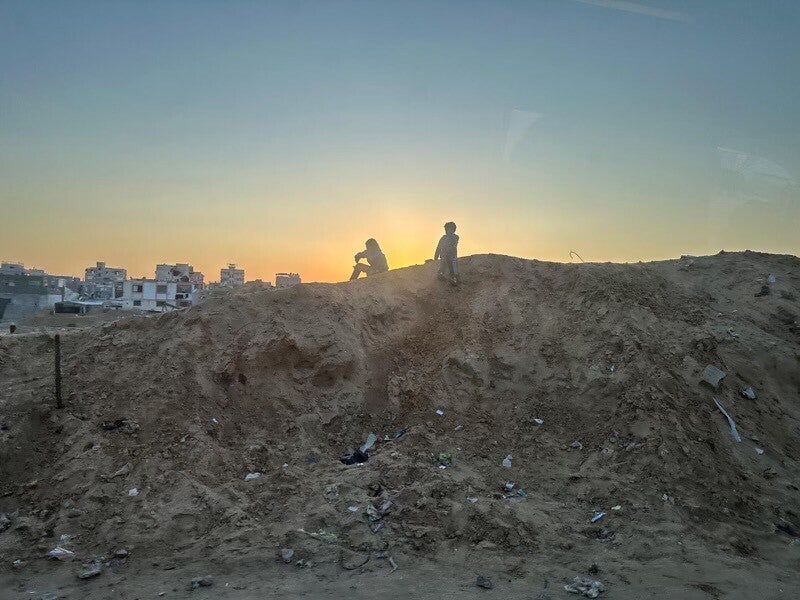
(92, 570)
(713, 376)
(205, 581)
(352, 560)
(5, 522)
(123, 470)
(121, 553)
(331, 492)
(484, 582)
(287, 554)
(583, 585)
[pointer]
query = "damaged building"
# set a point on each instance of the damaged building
(102, 282)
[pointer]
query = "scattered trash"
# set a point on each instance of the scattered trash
(354, 509)
(764, 291)
(214, 421)
(612, 368)
(472, 500)
(60, 553)
(361, 455)
(18, 564)
(667, 498)
(507, 462)
(251, 476)
(583, 585)
(772, 278)
(322, 536)
(750, 393)
(377, 526)
(617, 507)
(759, 451)
(331, 492)
(576, 445)
(445, 459)
(394, 436)
(372, 513)
(508, 486)
(484, 582)
(285, 466)
(123, 470)
(287, 554)
(713, 376)
(121, 553)
(439, 412)
(93, 570)
(123, 425)
(538, 421)
(732, 424)
(458, 428)
(597, 516)
(371, 439)
(394, 564)
(205, 581)
(732, 333)
(133, 492)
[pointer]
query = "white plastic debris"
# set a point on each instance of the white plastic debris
(472, 500)
(749, 393)
(371, 439)
(538, 421)
(354, 509)
(133, 492)
(588, 587)
(731, 422)
(617, 507)
(214, 421)
(251, 476)
(576, 445)
(60, 553)
(759, 451)
(507, 461)
(772, 278)
(439, 412)
(458, 428)
(597, 516)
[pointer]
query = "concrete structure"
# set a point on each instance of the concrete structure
(23, 294)
(286, 280)
(180, 272)
(159, 296)
(231, 277)
(102, 282)
(9, 268)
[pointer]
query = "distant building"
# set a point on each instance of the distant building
(102, 282)
(286, 280)
(159, 296)
(22, 294)
(231, 277)
(180, 272)
(258, 283)
(9, 268)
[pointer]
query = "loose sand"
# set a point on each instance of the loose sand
(284, 382)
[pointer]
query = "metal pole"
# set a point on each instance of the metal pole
(59, 400)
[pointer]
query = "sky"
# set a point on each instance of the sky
(281, 135)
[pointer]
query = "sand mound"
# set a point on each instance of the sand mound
(609, 357)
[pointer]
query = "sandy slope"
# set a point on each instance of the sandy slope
(606, 355)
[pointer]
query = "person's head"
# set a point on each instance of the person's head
(371, 244)
(449, 227)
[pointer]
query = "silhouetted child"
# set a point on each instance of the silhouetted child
(447, 251)
(375, 258)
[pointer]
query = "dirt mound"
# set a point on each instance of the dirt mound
(587, 375)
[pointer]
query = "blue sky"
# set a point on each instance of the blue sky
(282, 134)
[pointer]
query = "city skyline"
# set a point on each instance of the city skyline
(280, 137)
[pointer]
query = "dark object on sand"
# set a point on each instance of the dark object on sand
(764, 291)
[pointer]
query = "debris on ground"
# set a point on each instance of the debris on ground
(538, 421)
(362, 454)
(445, 459)
(713, 376)
(133, 492)
(251, 476)
(576, 445)
(484, 582)
(92, 570)
(439, 412)
(597, 516)
(764, 291)
(205, 581)
(287, 554)
(507, 462)
(123, 425)
(322, 536)
(59, 553)
(749, 392)
(731, 423)
(586, 586)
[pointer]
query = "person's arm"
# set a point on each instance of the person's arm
(360, 255)
(438, 252)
